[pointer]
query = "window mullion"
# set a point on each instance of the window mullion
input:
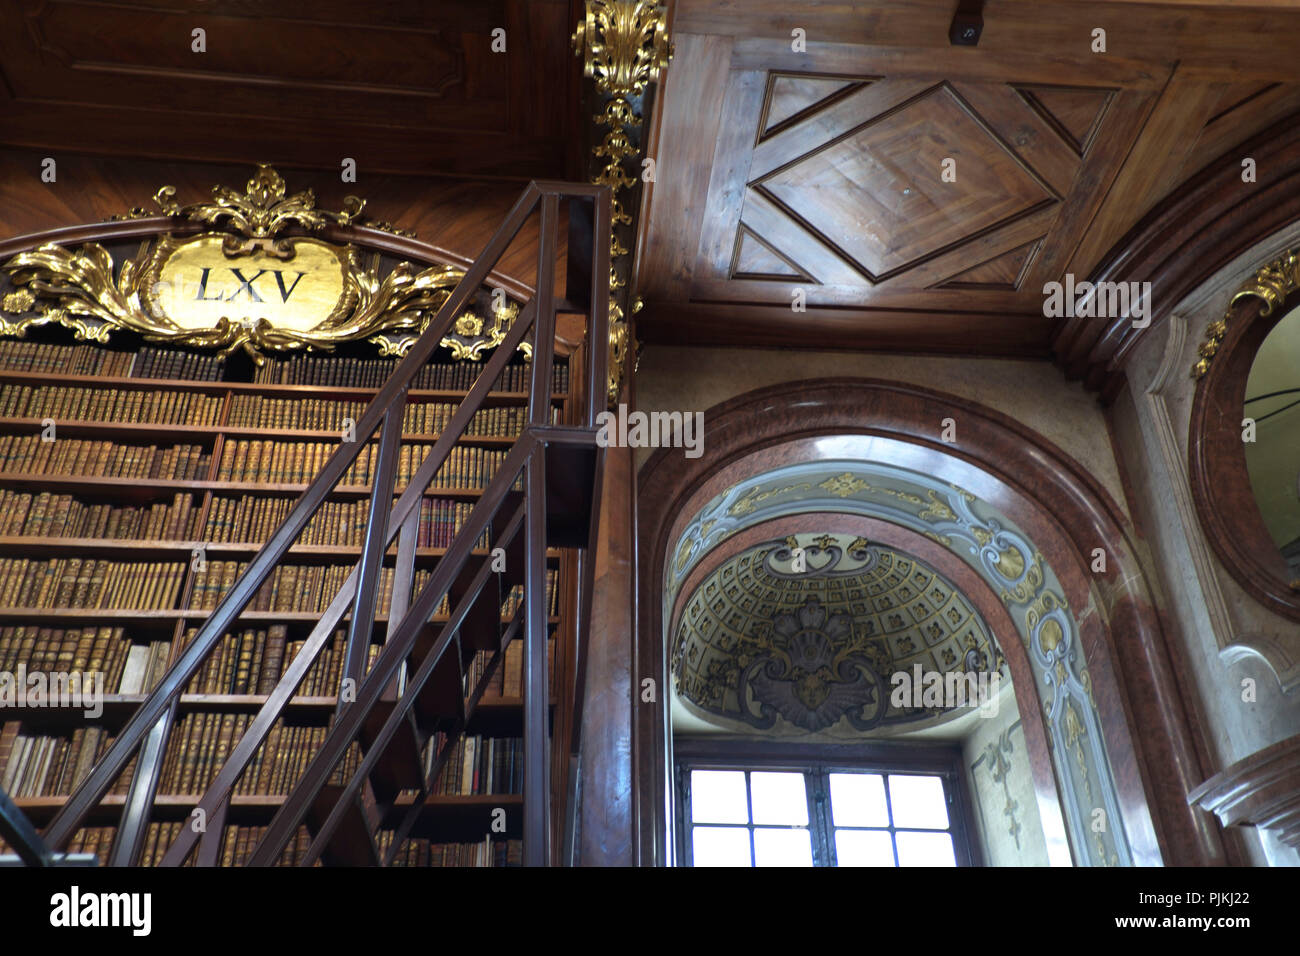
(818, 816)
(749, 811)
(889, 809)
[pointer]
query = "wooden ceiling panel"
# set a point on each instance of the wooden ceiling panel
(398, 87)
(1075, 113)
(1003, 273)
(923, 178)
(791, 98)
(757, 259)
(801, 191)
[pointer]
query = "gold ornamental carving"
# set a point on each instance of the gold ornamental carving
(626, 42)
(625, 47)
(261, 212)
(1272, 283)
(248, 284)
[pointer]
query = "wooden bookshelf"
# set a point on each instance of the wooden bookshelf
(462, 818)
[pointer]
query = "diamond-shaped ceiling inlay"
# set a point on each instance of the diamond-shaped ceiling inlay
(876, 195)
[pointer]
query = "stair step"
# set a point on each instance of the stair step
(441, 704)
(400, 766)
(353, 842)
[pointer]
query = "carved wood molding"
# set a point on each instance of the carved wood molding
(1263, 790)
(1184, 240)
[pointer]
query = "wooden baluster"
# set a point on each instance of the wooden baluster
(362, 624)
(134, 826)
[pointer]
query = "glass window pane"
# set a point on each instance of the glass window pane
(782, 847)
(779, 798)
(918, 802)
(925, 849)
(863, 848)
(720, 846)
(718, 796)
(858, 800)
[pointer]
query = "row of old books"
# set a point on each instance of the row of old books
(200, 743)
(261, 411)
(135, 405)
(36, 764)
(342, 372)
(89, 583)
(239, 842)
(95, 841)
(280, 462)
(94, 360)
(237, 845)
(336, 524)
(507, 679)
(248, 461)
(419, 418)
(373, 373)
(286, 462)
(253, 661)
(490, 851)
(63, 516)
(516, 596)
(441, 520)
(291, 587)
(480, 765)
(31, 454)
(21, 356)
(103, 654)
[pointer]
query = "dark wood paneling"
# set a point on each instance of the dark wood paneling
(398, 88)
(1049, 39)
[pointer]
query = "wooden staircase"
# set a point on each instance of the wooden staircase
(371, 773)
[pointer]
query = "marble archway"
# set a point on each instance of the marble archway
(1005, 560)
(995, 480)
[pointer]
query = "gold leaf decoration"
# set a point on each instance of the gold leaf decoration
(1272, 284)
(625, 47)
(262, 211)
(84, 291)
(841, 486)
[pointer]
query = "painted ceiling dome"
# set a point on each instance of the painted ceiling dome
(829, 633)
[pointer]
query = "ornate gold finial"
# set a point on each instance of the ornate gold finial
(1272, 283)
(626, 45)
(261, 212)
(626, 48)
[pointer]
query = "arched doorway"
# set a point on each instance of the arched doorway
(1041, 532)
